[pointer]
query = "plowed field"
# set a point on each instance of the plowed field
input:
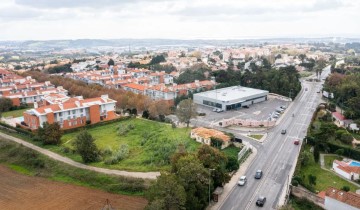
(18, 191)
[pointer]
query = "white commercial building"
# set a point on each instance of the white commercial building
(231, 97)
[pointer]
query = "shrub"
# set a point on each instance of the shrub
(119, 155)
(107, 151)
(345, 188)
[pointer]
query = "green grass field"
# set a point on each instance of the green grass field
(329, 159)
(324, 178)
(15, 113)
(31, 163)
(150, 144)
(256, 136)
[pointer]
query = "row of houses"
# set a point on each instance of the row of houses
(156, 85)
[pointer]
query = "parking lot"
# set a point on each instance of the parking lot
(259, 111)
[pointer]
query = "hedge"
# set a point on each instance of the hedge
(19, 130)
(348, 152)
(96, 124)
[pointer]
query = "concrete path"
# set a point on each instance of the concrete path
(233, 181)
(142, 175)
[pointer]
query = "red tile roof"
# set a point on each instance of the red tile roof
(338, 116)
(135, 86)
(349, 198)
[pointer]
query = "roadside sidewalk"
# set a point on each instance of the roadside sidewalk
(228, 188)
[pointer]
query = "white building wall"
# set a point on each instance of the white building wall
(340, 172)
(333, 204)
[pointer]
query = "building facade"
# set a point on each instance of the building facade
(75, 112)
(231, 97)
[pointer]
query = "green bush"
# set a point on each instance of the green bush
(345, 188)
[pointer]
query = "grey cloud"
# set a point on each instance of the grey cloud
(76, 3)
(15, 13)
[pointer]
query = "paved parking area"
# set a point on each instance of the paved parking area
(259, 111)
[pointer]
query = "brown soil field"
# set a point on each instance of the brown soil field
(23, 192)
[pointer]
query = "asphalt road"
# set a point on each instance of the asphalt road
(277, 155)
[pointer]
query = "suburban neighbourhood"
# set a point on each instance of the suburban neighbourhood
(180, 105)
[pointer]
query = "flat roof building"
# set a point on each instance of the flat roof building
(231, 97)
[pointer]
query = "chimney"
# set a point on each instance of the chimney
(61, 106)
(105, 97)
(36, 105)
(77, 103)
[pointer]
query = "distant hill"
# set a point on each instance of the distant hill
(91, 43)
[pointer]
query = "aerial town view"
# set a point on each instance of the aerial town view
(179, 105)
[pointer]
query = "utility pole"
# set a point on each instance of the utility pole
(210, 169)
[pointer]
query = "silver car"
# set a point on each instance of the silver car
(242, 181)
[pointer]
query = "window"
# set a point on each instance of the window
(68, 118)
(73, 111)
(60, 114)
(69, 113)
(81, 110)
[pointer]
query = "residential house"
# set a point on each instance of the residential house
(340, 200)
(346, 169)
(204, 135)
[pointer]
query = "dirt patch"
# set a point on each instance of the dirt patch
(18, 191)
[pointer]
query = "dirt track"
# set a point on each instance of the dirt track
(18, 191)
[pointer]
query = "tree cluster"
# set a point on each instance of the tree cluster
(49, 133)
(186, 187)
(60, 69)
(346, 90)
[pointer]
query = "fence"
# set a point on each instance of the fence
(244, 150)
(246, 122)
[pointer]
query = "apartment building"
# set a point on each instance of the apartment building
(74, 112)
(30, 97)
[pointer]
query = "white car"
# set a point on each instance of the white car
(242, 181)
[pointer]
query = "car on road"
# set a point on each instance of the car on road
(318, 91)
(283, 131)
(306, 89)
(242, 181)
(297, 142)
(261, 201)
(283, 107)
(258, 174)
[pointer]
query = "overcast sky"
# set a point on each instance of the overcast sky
(177, 19)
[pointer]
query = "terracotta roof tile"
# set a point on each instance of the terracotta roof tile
(349, 198)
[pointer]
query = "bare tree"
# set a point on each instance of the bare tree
(186, 110)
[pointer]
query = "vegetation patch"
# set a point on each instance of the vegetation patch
(14, 113)
(29, 162)
(134, 144)
(256, 136)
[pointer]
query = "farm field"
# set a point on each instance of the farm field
(150, 144)
(19, 191)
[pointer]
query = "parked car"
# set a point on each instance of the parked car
(238, 140)
(283, 131)
(246, 106)
(297, 142)
(219, 110)
(261, 201)
(214, 109)
(283, 107)
(258, 174)
(306, 89)
(242, 181)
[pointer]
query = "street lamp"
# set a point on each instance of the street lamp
(210, 169)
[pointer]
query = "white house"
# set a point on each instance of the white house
(345, 169)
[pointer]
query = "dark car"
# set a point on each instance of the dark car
(283, 131)
(261, 201)
(258, 174)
